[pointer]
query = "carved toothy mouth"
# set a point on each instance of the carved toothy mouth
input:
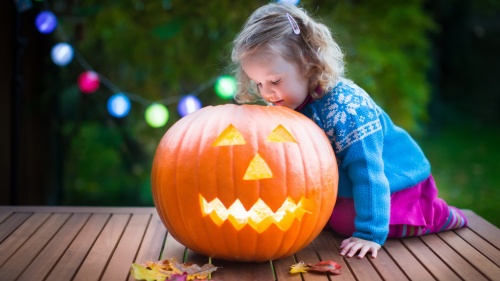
(259, 217)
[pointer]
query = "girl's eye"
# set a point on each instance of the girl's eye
(276, 82)
(259, 85)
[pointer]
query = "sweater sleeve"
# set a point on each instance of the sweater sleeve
(351, 120)
(371, 192)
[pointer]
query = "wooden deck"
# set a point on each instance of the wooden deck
(98, 243)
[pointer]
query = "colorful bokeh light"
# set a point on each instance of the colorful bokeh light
(188, 104)
(62, 54)
(119, 105)
(156, 115)
(225, 86)
(46, 22)
(88, 82)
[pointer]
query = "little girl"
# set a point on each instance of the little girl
(385, 185)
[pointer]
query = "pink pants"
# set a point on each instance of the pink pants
(414, 211)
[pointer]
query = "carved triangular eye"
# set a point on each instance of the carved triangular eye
(258, 169)
(230, 136)
(280, 134)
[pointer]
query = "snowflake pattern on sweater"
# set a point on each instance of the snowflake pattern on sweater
(341, 112)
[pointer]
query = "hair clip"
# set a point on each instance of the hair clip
(293, 23)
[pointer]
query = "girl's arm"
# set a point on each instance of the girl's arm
(351, 119)
(370, 188)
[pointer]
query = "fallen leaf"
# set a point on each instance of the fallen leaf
(170, 269)
(192, 270)
(322, 266)
(141, 272)
(299, 267)
(326, 266)
(179, 277)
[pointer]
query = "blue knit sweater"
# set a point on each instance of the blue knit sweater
(375, 157)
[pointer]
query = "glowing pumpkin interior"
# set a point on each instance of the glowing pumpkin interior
(259, 216)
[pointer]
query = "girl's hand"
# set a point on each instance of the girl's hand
(352, 245)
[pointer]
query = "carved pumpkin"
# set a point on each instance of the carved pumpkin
(248, 183)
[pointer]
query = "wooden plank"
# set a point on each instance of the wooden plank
(242, 270)
(173, 249)
(192, 257)
(480, 262)
(73, 257)
(4, 216)
(479, 244)
(152, 244)
(11, 223)
(457, 263)
(309, 255)
(12, 243)
(327, 249)
(386, 266)
(103, 248)
(362, 269)
(282, 269)
(24, 255)
(483, 228)
(83, 209)
(123, 256)
(48, 257)
(430, 261)
(408, 263)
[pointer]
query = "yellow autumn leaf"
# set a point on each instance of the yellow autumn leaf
(298, 267)
(141, 272)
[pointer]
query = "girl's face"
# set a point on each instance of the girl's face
(279, 81)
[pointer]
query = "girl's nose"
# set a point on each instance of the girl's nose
(268, 94)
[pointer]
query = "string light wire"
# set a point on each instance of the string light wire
(103, 80)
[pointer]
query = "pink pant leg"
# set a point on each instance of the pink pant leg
(414, 211)
(342, 218)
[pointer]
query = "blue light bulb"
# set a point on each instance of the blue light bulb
(119, 105)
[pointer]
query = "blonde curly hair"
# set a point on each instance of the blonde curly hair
(314, 50)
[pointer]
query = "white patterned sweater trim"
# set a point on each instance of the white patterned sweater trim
(349, 115)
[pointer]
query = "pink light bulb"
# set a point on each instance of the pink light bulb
(88, 82)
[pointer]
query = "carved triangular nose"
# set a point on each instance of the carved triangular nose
(258, 169)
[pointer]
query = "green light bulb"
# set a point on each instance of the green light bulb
(156, 115)
(225, 87)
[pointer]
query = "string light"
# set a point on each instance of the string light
(157, 115)
(187, 105)
(119, 103)
(88, 82)
(62, 54)
(46, 22)
(225, 86)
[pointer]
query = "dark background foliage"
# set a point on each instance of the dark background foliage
(433, 65)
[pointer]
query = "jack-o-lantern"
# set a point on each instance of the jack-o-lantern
(248, 183)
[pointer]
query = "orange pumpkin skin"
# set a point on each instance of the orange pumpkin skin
(191, 168)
